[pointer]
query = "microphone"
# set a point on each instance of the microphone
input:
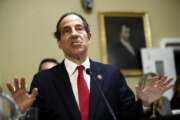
(88, 71)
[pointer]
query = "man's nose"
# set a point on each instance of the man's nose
(74, 32)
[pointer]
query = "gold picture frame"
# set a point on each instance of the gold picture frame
(110, 23)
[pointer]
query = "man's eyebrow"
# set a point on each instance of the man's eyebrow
(65, 27)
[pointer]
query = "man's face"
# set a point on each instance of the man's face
(74, 39)
(125, 32)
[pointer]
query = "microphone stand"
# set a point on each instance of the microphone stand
(102, 94)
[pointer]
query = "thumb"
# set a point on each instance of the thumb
(34, 92)
(138, 91)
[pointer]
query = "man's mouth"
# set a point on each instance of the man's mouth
(76, 43)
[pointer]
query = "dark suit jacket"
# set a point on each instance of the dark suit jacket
(56, 100)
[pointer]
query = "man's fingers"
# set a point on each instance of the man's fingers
(167, 82)
(169, 87)
(10, 87)
(34, 92)
(163, 79)
(164, 84)
(138, 91)
(155, 77)
(153, 80)
(23, 83)
(16, 84)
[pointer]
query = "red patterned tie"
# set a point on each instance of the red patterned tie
(83, 94)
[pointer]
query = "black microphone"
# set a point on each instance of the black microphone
(88, 71)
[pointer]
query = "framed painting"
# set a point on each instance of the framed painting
(122, 35)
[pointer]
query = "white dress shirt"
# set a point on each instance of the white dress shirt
(73, 74)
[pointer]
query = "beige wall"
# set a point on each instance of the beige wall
(27, 26)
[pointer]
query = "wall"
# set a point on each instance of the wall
(27, 26)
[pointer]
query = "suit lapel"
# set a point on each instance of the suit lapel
(95, 95)
(63, 86)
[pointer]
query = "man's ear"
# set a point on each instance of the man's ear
(59, 44)
(89, 35)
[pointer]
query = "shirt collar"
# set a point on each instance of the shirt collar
(71, 66)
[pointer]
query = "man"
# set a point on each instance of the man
(122, 53)
(125, 39)
(68, 92)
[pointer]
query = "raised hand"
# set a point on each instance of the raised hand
(22, 98)
(154, 89)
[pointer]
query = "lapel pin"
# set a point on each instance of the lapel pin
(99, 77)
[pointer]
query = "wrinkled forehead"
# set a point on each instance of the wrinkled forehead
(71, 20)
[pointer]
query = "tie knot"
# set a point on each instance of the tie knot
(80, 68)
